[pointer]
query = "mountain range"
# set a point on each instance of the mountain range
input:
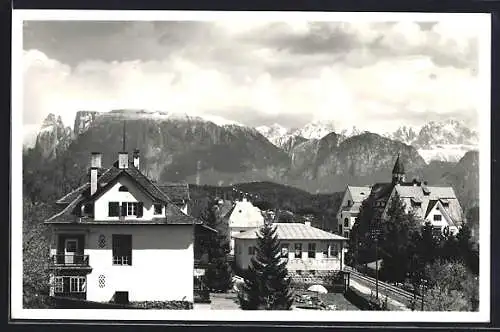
(443, 141)
(180, 147)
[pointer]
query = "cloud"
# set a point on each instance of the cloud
(372, 75)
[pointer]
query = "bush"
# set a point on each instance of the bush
(168, 305)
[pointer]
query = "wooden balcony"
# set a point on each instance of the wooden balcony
(62, 261)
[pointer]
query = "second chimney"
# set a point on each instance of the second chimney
(136, 158)
(95, 160)
(95, 165)
(122, 160)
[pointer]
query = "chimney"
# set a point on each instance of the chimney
(136, 158)
(122, 160)
(95, 160)
(95, 164)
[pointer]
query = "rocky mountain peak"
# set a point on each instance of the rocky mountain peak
(53, 137)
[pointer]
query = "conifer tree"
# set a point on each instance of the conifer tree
(218, 275)
(397, 229)
(267, 284)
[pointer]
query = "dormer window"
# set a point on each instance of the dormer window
(123, 188)
(158, 209)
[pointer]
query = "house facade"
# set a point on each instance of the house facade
(435, 204)
(307, 248)
(349, 208)
(243, 216)
(116, 236)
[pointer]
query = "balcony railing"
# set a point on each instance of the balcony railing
(305, 264)
(70, 260)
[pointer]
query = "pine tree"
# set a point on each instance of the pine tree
(218, 275)
(397, 229)
(267, 284)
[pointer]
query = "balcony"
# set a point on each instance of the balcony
(317, 264)
(70, 261)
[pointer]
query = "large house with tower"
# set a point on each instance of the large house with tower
(437, 205)
(116, 235)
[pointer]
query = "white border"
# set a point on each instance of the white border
(17, 312)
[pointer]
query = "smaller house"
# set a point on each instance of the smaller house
(349, 208)
(307, 248)
(243, 216)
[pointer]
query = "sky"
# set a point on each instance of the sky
(373, 75)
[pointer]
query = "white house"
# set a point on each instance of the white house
(307, 248)
(242, 217)
(349, 208)
(118, 235)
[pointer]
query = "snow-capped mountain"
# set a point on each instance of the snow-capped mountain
(315, 129)
(404, 134)
(442, 141)
(275, 133)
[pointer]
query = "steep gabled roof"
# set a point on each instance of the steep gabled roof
(108, 177)
(407, 193)
(359, 194)
(175, 191)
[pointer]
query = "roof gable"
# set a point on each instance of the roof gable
(359, 194)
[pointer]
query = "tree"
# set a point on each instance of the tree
(218, 275)
(466, 249)
(267, 283)
(397, 229)
(35, 255)
(452, 287)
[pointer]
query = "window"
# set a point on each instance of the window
(284, 250)
(311, 250)
(445, 204)
(58, 285)
(64, 284)
(113, 209)
(437, 217)
(132, 209)
(123, 188)
(334, 250)
(122, 249)
(340, 229)
(346, 222)
(346, 234)
(349, 203)
(158, 209)
(251, 250)
(71, 245)
(298, 250)
(77, 284)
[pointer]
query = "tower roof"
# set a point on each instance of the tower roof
(398, 166)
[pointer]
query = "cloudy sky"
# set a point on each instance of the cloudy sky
(376, 76)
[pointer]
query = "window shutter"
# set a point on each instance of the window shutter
(123, 210)
(140, 207)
